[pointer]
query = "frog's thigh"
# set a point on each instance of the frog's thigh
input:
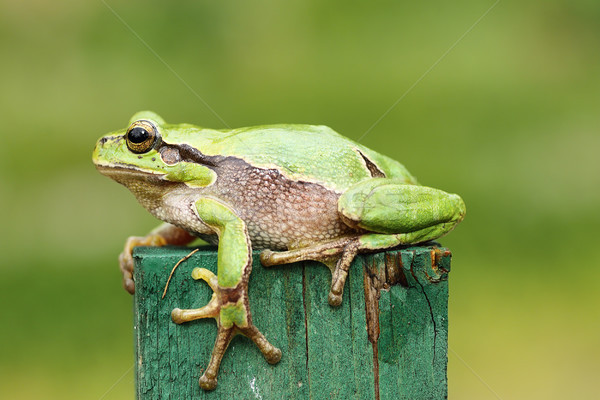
(409, 213)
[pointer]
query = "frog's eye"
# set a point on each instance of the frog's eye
(141, 136)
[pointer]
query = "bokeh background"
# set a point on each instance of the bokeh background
(508, 117)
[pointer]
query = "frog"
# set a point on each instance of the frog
(295, 192)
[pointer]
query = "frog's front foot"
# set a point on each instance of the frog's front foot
(126, 257)
(229, 307)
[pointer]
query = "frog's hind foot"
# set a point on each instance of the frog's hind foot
(337, 255)
(229, 325)
(340, 273)
(318, 252)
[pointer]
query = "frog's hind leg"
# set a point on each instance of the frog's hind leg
(339, 254)
(391, 213)
(387, 206)
(359, 244)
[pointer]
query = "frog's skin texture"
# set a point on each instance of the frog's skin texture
(299, 192)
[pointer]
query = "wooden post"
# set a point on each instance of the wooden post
(388, 339)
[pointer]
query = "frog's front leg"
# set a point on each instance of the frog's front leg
(229, 304)
(161, 236)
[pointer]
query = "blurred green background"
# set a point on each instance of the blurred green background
(509, 119)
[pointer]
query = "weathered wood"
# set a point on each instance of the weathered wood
(387, 340)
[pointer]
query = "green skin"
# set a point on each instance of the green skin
(299, 192)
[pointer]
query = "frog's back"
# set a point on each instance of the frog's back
(307, 152)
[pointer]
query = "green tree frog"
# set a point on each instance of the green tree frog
(299, 192)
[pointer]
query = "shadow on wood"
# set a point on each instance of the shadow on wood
(388, 339)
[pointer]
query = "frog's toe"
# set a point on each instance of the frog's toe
(129, 285)
(274, 357)
(340, 273)
(177, 316)
(334, 299)
(207, 276)
(126, 257)
(338, 279)
(208, 383)
(267, 258)
(211, 310)
(271, 353)
(126, 267)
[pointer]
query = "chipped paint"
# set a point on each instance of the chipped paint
(254, 388)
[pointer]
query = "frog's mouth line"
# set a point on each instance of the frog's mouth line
(127, 172)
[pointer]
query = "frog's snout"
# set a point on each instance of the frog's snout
(97, 148)
(103, 145)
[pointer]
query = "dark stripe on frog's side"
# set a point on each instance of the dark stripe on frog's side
(189, 154)
(373, 169)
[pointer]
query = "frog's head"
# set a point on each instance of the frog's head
(154, 152)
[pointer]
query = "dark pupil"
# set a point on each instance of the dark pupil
(138, 135)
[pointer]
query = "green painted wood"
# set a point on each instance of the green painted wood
(387, 340)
